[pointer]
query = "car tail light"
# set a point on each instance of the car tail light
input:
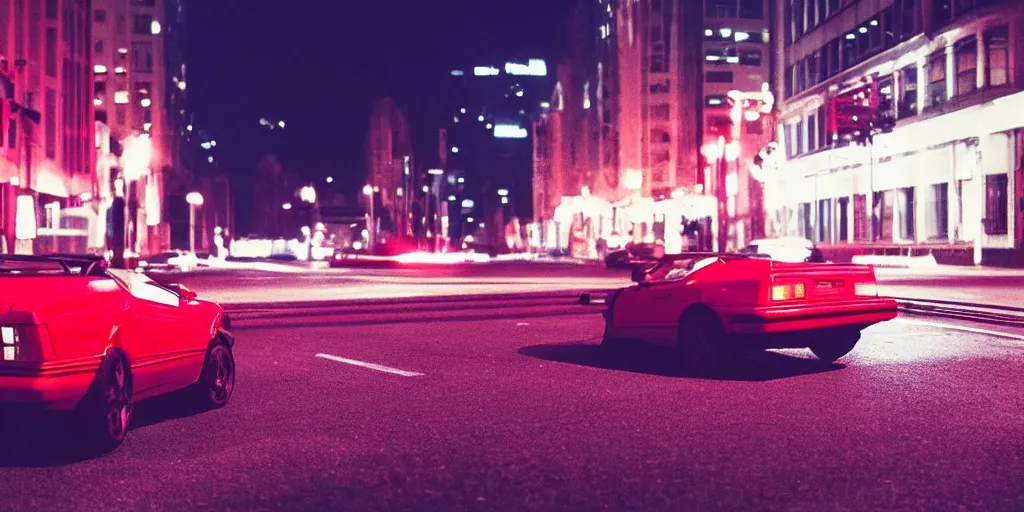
(866, 289)
(19, 344)
(788, 291)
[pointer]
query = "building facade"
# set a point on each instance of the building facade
(900, 128)
(389, 173)
(618, 156)
(736, 101)
(47, 152)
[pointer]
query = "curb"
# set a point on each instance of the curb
(982, 313)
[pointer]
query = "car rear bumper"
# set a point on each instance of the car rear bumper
(858, 313)
(53, 387)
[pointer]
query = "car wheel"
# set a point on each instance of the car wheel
(700, 340)
(836, 345)
(217, 381)
(106, 411)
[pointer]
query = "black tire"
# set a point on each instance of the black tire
(106, 411)
(701, 338)
(217, 380)
(835, 345)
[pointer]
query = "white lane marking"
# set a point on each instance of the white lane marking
(521, 324)
(962, 328)
(371, 366)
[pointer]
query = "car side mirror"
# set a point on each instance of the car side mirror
(185, 292)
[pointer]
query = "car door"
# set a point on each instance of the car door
(164, 355)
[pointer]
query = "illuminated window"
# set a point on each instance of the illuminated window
(966, 65)
(997, 55)
(121, 97)
(936, 78)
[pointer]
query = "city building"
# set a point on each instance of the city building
(139, 96)
(485, 148)
(617, 157)
(47, 152)
(389, 173)
(899, 128)
(737, 103)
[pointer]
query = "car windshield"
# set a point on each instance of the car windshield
(10, 267)
(678, 269)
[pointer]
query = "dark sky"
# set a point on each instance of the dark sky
(318, 65)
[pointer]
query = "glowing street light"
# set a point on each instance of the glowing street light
(435, 172)
(286, 206)
(307, 194)
(136, 157)
(194, 200)
(330, 179)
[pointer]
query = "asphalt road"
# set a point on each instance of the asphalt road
(512, 406)
(289, 283)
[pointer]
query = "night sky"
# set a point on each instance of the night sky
(319, 64)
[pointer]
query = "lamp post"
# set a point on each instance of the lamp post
(437, 173)
(371, 236)
(194, 200)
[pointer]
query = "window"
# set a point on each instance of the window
(881, 215)
(814, 69)
(142, 287)
(12, 133)
(51, 9)
(789, 81)
(142, 57)
(860, 218)
(849, 50)
(659, 112)
(801, 139)
(660, 136)
(937, 219)
(966, 65)
(752, 9)
(98, 45)
(830, 58)
(823, 135)
(660, 87)
(719, 124)
(907, 105)
(804, 220)
(750, 58)
(720, 8)
(942, 12)
(825, 221)
(906, 199)
(718, 77)
(717, 101)
(801, 76)
(50, 122)
(996, 218)
(936, 78)
(842, 220)
(658, 64)
(997, 56)
(812, 133)
(99, 16)
(142, 24)
(121, 24)
(144, 3)
(905, 19)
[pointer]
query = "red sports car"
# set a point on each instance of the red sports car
(79, 337)
(710, 304)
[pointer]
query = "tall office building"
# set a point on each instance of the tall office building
(46, 130)
(737, 104)
(139, 96)
(900, 127)
(389, 173)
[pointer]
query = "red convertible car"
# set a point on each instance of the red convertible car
(708, 305)
(79, 337)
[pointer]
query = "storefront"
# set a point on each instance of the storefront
(943, 185)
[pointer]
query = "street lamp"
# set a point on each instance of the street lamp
(371, 236)
(194, 200)
(307, 194)
(136, 158)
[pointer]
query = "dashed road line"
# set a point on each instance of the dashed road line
(961, 328)
(371, 366)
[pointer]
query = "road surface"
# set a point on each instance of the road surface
(270, 282)
(511, 406)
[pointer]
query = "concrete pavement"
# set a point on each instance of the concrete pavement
(524, 412)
